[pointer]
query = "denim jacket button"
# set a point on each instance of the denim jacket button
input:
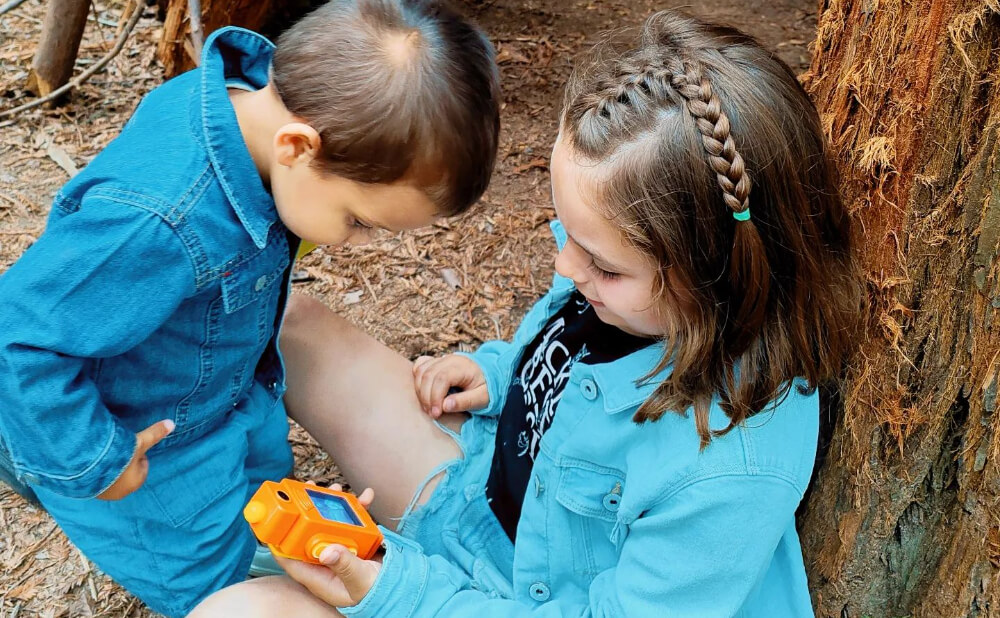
(589, 388)
(261, 283)
(539, 592)
(612, 501)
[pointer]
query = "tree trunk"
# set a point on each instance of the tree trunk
(176, 51)
(904, 516)
(62, 32)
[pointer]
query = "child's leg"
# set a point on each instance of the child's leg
(182, 535)
(356, 397)
(265, 597)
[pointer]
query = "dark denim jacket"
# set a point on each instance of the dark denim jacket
(156, 290)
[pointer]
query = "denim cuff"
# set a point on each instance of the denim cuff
(400, 584)
(103, 471)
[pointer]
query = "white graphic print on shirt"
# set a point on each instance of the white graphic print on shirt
(542, 379)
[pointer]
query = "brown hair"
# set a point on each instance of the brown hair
(695, 124)
(395, 88)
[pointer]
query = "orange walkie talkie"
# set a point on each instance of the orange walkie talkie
(298, 520)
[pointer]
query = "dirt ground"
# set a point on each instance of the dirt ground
(461, 282)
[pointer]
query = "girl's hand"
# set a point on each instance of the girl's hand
(135, 474)
(343, 579)
(434, 378)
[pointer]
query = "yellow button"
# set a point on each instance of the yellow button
(255, 511)
(318, 549)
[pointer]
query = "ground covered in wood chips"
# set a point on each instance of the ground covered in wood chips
(461, 282)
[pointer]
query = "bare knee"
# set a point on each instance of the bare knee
(265, 598)
(243, 600)
(303, 311)
(309, 324)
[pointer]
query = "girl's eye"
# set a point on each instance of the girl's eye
(356, 223)
(603, 274)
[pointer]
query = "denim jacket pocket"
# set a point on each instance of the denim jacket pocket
(593, 494)
(250, 297)
(195, 478)
(252, 279)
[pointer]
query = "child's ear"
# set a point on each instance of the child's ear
(296, 142)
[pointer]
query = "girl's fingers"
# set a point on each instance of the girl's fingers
(420, 362)
(421, 377)
(440, 386)
(319, 580)
(426, 388)
(464, 401)
(367, 497)
(357, 575)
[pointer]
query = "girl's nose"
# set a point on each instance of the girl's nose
(565, 264)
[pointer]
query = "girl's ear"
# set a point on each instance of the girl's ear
(296, 142)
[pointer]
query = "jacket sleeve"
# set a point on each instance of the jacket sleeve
(700, 552)
(98, 282)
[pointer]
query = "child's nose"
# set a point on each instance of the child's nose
(566, 266)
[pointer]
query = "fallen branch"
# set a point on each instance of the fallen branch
(197, 36)
(10, 6)
(55, 94)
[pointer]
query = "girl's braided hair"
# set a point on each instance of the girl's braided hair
(774, 295)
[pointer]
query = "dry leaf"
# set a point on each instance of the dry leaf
(353, 297)
(62, 159)
(451, 278)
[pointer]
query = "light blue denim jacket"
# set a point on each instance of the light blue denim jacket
(629, 520)
(155, 291)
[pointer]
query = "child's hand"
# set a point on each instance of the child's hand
(135, 474)
(433, 378)
(343, 579)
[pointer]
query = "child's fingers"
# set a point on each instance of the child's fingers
(150, 436)
(425, 390)
(318, 579)
(421, 362)
(367, 497)
(357, 575)
(464, 401)
(421, 372)
(440, 386)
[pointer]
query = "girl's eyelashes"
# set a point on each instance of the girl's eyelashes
(603, 274)
(359, 224)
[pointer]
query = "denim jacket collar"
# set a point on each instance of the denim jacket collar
(235, 52)
(618, 380)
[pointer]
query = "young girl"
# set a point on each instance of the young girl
(640, 447)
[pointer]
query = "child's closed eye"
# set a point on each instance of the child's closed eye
(603, 274)
(359, 224)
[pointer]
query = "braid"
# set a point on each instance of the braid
(713, 124)
(638, 85)
(621, 105)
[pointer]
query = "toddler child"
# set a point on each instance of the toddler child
(138, 336)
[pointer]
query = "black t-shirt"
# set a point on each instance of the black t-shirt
(573, 334)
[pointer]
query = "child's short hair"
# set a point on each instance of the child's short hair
(713, 162)
(396, 89)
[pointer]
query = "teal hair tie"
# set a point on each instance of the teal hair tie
(743, 215)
